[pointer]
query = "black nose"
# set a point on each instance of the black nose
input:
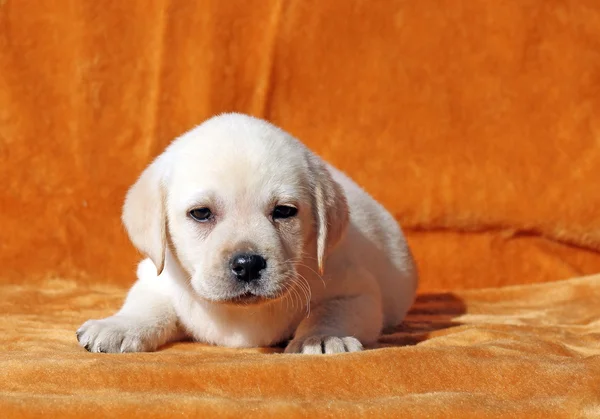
(247, 267)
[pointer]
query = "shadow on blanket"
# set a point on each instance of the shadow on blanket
(430, 313)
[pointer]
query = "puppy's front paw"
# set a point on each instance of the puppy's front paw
(116, 334)
(323, 345)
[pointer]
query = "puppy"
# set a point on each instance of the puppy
(252, 240)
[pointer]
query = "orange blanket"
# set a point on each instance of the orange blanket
(518, 352)
(476, 123)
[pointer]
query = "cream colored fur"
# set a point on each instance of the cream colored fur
(337, 273)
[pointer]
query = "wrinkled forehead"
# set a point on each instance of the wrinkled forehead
(238, 173)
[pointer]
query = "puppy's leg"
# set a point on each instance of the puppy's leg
(146, 321)
(342, 324)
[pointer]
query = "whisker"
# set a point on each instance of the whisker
(315, 272)
(294, 293)
(298, 262)
(286, 296)
(305, 287)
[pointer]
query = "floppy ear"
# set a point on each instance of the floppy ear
(144, 215)
(331, 210)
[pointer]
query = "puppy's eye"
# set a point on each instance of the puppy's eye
(201, 215)
(284, 211)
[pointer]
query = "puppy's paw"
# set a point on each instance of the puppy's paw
(116, 334)
(323, 345)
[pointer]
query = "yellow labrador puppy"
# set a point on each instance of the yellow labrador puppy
(253, 240)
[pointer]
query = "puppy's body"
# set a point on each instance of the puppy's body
(244, 171)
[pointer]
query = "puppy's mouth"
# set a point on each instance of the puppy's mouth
(250, 298)
(247, 298)
(265, 291)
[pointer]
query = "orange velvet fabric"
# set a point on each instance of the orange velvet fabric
(519, 352)
(475, 122)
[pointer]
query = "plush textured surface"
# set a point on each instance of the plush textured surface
(477, 123)
(472, 116)
(521, 352)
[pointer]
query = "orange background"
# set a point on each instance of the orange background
(476, 123)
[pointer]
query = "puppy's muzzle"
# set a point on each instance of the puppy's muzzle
(247, 267)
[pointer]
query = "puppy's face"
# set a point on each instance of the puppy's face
(239, 217)
(241, 204)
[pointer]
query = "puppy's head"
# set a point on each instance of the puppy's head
(240, 204)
